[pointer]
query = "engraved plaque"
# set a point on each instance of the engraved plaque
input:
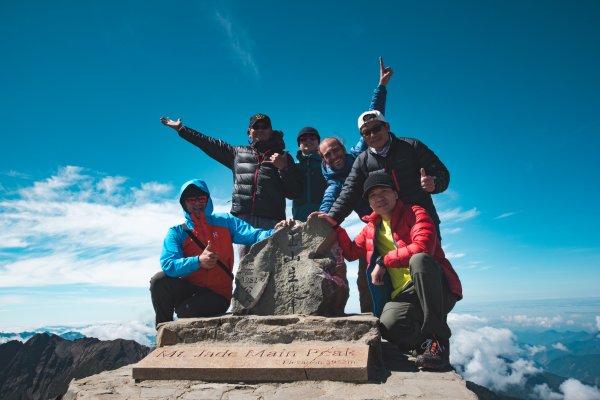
(267, 363)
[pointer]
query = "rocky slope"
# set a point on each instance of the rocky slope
(43, 366)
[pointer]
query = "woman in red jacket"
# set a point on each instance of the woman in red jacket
(413, 285)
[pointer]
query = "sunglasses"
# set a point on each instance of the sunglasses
(260, 127)
(305, 138)
(196, 199)
(373, 130)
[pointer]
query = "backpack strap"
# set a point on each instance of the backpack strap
(202, 247)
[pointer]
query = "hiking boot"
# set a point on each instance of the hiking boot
(436, 354)
(416, 352)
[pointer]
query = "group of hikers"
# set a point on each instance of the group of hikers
(404, 277)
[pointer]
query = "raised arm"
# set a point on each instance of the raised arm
(378, 102)
(217, 149)
(380, 94)
(244, 233)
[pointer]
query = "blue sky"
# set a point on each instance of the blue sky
(506, 93)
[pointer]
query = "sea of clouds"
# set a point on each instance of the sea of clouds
(492, 356)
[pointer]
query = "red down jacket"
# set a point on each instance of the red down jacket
(413, 231)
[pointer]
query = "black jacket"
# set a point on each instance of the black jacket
(313, 185)
(258, 188)
(403, 162)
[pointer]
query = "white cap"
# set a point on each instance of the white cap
(369, 116)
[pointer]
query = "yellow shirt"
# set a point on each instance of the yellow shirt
(384, 243)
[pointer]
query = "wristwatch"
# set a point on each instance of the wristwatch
(379, 261)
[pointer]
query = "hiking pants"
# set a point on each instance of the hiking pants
(420, 310)
(364, 294)
(186, 299)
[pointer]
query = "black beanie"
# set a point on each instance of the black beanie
(308, 130)
(375, 180)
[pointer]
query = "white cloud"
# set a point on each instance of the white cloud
(466, 321)
(543, 392)
(487, 356)
(457, 215)
(571, 389)
(239, 41)
(505, 215)
(560, 346)
(598, 322)
(79, 227)
(16, 174)
(544, 322)
(450, 231)
(142, 331)
(450, 255)
(575, 390)
(132, 330)
(11, 299)
(533, 350)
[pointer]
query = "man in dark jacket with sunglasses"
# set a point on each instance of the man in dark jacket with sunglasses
(416, 171)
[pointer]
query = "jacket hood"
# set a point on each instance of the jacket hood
(208, 210)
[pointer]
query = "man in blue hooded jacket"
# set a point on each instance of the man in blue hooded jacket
(197, 258)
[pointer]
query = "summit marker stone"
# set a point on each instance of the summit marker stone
(298, 270)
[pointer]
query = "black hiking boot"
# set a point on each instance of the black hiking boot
(436, 355)
(416, 352)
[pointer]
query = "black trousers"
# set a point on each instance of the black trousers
(420, 310)
(186, 299)
(364, 294)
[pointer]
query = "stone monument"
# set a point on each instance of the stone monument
(298, 270)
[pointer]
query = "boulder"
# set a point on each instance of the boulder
(298, 270)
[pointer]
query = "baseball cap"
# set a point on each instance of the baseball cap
(259, 117)
(370, 116)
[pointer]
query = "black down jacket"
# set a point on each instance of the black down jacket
(259, 188)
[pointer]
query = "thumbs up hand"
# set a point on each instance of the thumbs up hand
(208, 258)
(427, 182)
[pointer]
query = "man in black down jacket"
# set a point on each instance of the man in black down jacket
(263, 173)
(417, 172)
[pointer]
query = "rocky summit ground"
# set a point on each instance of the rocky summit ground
(400, 380)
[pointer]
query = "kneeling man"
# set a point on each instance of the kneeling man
(412, 284)
(197, 258)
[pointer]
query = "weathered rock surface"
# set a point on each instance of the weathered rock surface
(361, 328)
(400, 380)
(296, 271)
(265, 349)
(43, 366)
